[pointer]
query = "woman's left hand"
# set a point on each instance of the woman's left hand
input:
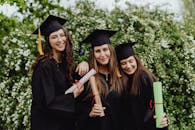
(164, 121)
(78, 90)
(82, 68)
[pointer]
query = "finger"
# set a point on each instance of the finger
(164, 114)
(82, 72)
(77, 69)
(97, 112)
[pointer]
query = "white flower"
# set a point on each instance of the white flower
(14, 40)
(10, 51)
(164, 43)
(26, 53)
(17, 67)
(120, 20)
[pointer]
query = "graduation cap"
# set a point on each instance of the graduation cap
(51, 24)
(124, 50)
(99, 37)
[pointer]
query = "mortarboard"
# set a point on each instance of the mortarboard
(51, 24)
(99, 37)
(124, 50)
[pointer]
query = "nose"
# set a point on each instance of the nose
(59, 39)
(102, 53)
(128, 65)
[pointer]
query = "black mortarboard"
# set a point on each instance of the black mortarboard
(99, 37)
(124, 50)
(51, 24)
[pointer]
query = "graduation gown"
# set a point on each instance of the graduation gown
(111, 119)
(138, 110)
(51, 109)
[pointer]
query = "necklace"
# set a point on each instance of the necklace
(106, 77)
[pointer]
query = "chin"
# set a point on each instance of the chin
(129, 73)
(104, 63)
(61, 49)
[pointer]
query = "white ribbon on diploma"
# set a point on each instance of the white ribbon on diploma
(83, 80)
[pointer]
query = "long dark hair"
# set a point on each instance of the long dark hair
(135, 89)
(67, 55)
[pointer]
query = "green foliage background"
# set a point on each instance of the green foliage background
(166, 47)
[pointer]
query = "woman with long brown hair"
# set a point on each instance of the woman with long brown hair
(103, 59)
(52, 75)
(138, 100)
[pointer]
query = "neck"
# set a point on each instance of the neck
(57, 57)
(103, 69)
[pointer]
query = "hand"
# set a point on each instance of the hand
(164, 121)
(78, 90)
(82, 68)
(97, 110)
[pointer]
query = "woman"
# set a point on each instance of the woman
(103, 60)
(138, 94)
(53, 74)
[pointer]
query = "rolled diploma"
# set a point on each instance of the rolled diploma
(83, 80)
(158, 99)
(95, 92)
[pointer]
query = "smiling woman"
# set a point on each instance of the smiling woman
(52, 75)
(58, 42)
(103, 60)
(137, 99)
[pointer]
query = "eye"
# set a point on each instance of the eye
(131, 60)
(62, 35)
(53, 36)
(97, 51)
(123, 63)
(105, 49)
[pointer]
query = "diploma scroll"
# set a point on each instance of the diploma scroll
(83, 80)
(158, 98)
(95, 92)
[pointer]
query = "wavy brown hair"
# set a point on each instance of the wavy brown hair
(112, 66)
(135, 89)
(67, 55)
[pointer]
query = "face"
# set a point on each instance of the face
(57, 41)
(129, 65)
(102, 54)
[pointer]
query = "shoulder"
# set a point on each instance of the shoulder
(145, 78)
(46, 65)
(144, 74)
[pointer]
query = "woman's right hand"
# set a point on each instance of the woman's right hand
(97, 110)
(78, 90)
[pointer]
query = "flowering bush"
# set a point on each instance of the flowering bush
(165, 46)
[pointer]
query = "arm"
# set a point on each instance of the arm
(55, 100)
(147, 82)
(82, 68)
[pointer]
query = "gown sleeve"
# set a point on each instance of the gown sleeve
(148, 96)
(55, 100)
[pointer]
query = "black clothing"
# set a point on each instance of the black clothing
(111, 119)
(51, 24)
(99, 37)
(138, 110)
(51, 109)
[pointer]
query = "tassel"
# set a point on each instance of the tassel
(118, 73)
(39, 47)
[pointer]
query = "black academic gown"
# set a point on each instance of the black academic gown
(138, 110)
(51, 109)
(111, 119)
